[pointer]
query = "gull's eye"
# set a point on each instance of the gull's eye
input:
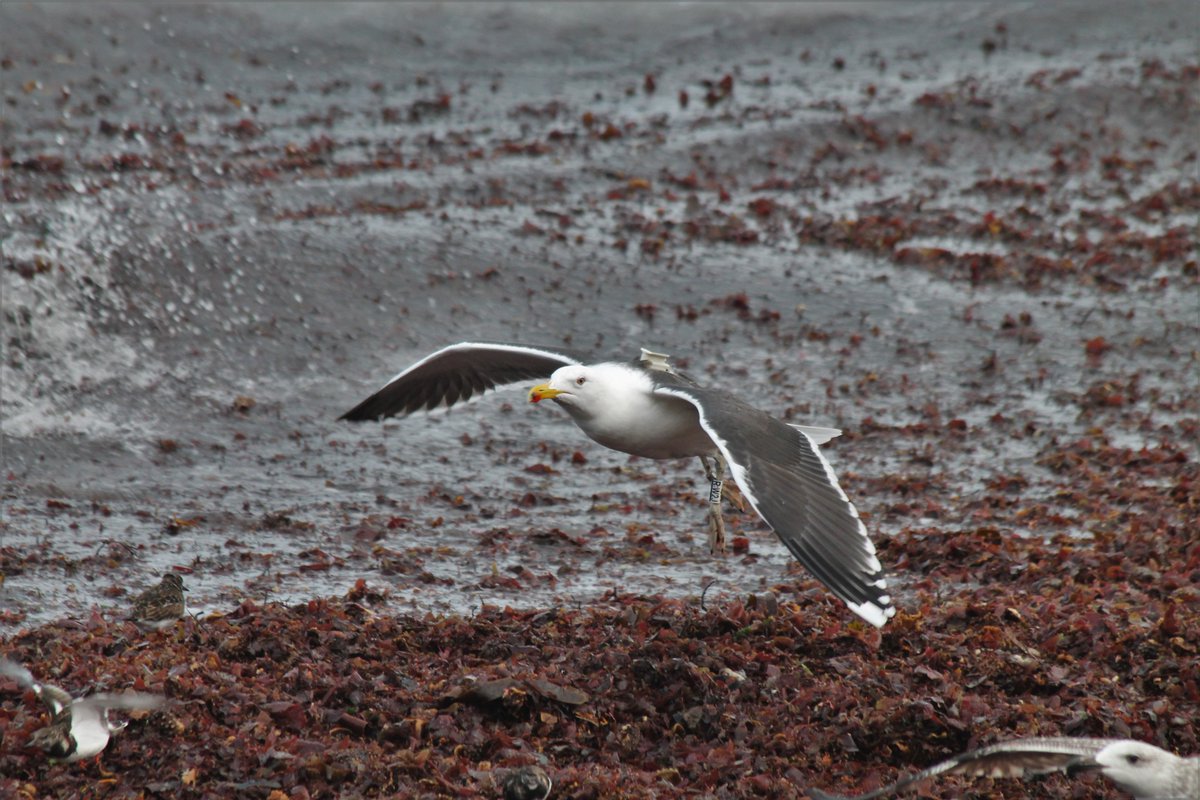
(1132, 759)
(580, 381)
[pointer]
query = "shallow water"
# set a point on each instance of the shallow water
(311, 197)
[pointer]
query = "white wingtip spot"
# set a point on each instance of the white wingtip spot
(872, 613)
(818, 435)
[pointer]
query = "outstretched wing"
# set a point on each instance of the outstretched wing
(18, 673)
(52, 696)
(95, 707)
(457, 373)
(787, 480)
(1016, 759)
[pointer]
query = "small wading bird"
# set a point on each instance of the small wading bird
(80, 727)
(646, 408)
(1143, 770)
(160, 606)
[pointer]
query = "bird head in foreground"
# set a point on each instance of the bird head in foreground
(1141, 769)
(566, 385)
(590, 392)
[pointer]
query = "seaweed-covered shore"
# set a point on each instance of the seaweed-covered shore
(643, 697)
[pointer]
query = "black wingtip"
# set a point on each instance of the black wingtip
(366, 411)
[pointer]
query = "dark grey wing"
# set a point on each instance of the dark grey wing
(1021, 757)
(790, 484)
(52, 696)
(457, 373)
(1016, 759)
(55, 738)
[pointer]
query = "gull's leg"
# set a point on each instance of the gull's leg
(716, 525)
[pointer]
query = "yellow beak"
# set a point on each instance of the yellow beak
(543, 392)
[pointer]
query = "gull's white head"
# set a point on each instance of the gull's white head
(567, 385)
(1141, 769)
(586, 390)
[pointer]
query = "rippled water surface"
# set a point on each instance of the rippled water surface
(224, 226)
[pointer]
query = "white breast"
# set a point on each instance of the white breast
(91, 737)
(616, 407)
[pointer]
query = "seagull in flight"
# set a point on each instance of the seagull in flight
(646, 408)
(1143, 770)
(80, 727)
